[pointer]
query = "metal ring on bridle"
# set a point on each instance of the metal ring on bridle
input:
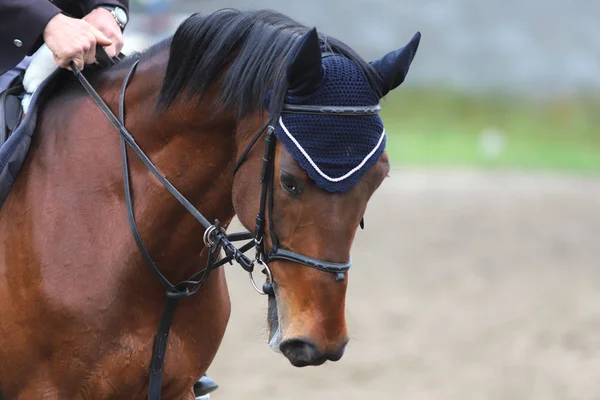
(209, 235)
(268, 273)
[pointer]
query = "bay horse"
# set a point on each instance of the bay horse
(79, 309)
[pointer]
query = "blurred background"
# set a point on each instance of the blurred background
(478, 274)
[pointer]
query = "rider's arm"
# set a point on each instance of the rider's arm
(22, 24)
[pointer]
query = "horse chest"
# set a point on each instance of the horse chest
(108, 355)
(197, 331)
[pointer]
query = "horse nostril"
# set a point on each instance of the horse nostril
(301, 352)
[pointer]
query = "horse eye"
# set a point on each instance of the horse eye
(291, 184)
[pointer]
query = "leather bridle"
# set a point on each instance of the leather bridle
(215, 237)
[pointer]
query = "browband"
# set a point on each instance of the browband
(330, 110)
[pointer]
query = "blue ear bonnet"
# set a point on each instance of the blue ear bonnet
(335, 150)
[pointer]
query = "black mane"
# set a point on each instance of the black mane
(256, 46)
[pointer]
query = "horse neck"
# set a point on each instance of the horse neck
(195, 149)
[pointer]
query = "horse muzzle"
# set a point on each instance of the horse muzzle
(303, 352)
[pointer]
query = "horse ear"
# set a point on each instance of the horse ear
(305, 72)
(393, 67)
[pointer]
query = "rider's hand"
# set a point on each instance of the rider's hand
(103, 20)
(72, 39)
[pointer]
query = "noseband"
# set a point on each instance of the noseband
(215, 237)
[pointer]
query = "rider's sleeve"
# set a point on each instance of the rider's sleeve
(91, 4)
(22, 24)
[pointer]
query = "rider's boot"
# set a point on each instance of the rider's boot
(204, 386)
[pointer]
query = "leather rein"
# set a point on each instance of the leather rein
(215, 237)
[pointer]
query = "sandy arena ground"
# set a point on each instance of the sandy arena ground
(481, 286)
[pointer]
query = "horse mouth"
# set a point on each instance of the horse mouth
(273, 321)
(300, 350)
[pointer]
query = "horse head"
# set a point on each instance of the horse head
(329, 159)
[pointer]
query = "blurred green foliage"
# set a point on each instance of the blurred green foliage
(447, 128)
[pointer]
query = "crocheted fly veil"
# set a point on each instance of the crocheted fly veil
(335, 150)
